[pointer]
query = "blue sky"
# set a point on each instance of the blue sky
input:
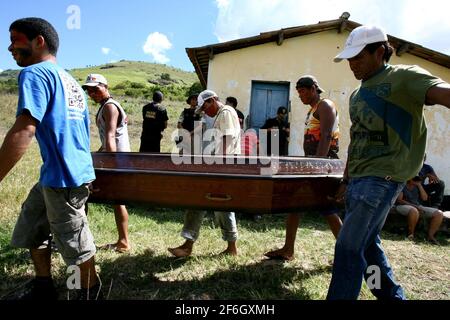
(160, 30)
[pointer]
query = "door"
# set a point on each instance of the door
(265, 100)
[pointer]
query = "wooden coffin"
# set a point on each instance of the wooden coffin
(222, 183)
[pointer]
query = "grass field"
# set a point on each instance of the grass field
(135, 71)
(149, 272)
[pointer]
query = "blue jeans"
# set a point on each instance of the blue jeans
(193, 221)
(358, 246)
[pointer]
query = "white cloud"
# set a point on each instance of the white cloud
(1, 70)
(222, 4)
(156, 45)
(106, 51)
(425, 23)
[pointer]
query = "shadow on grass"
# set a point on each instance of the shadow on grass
(12, 259)
(136, 277)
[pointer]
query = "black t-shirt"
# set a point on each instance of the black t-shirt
(283, 134)
(241, 117)
(155, 116)
(189, 117)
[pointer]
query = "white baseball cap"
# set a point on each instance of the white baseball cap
(358, 39)
(94, 80)
(203, 96)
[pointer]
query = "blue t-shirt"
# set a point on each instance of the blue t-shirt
(58, 103)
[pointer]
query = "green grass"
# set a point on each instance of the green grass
(135, 71)
(149, 272)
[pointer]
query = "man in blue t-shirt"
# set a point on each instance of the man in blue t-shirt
(52, 107)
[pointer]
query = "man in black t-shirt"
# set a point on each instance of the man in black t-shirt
(232, 102)
(280, 123)
(155, 121)
(187, 121)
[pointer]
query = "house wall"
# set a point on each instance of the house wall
(232, 73)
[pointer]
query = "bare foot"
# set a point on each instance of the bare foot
(433, 240)
(229, 252)
(180, 252)
(280, 254)
(114, 247)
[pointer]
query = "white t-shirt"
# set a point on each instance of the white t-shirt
(227, 124)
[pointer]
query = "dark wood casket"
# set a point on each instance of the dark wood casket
(223, 183)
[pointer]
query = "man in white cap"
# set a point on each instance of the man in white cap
(226, 141)
(112, 123)
(388, 138)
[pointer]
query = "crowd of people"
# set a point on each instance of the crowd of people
(381, 166)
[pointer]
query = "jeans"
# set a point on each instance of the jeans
(193, 221)
(358, 246)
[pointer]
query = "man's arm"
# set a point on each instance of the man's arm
(439, 94)
(16, 143)
(111, 116)
(227, 142)
(422, 193)
(401, 200)
(327, 118)
(431, 175)
(340, 193)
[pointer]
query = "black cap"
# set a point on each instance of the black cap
(308, 82)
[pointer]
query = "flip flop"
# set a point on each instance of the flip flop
(113, 247)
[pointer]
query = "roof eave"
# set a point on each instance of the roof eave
(201, 56)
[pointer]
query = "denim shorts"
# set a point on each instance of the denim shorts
(58, 213)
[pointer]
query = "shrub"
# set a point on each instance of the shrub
(195, 88)
(166, 76)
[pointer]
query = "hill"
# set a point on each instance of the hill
(137, 71)
(126, 78)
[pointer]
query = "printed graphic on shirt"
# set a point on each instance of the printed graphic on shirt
(370, 128)
(75, 102)
(150, 114)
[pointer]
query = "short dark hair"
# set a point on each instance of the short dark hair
(192, 96)
(33, 27)
(282, 110)
(388, 50)
(233, 101)
(158, 96)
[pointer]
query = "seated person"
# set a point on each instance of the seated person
(433, 186)
(280, 123)
(408, 205)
